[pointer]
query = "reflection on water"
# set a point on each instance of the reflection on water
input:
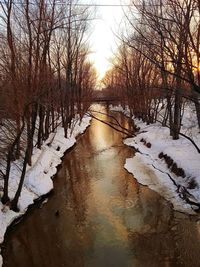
(105, 217)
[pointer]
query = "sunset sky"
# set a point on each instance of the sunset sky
(102, 39)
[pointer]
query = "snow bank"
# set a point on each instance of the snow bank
(150, 170)
(38, 177)
(141, 167)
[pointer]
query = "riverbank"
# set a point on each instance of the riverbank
(38, 180)
(169, 167)
(106, 218)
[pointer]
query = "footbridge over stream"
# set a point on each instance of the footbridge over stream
(101, 97)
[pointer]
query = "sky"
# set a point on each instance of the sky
(103, 38)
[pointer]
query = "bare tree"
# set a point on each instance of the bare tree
(44, 75)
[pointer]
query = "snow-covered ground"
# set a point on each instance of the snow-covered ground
(156, 150)
(38, 177)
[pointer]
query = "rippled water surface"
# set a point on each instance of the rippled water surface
(105, 217)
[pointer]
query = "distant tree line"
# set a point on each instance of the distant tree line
(158, 61)
(45, 77)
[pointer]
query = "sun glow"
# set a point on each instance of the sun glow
(102, 38)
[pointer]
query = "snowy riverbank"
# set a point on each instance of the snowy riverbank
(157, 153)
(38, 177)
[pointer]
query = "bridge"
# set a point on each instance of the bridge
(100, 97)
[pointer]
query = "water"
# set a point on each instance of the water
(105, 217)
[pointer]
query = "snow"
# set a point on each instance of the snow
(38, 177)
(150, 170)
(146, 174)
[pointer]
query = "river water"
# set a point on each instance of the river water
(99, 215)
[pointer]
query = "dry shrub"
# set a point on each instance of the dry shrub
(148, 145)
(169, 161)
(174, 168)
(165, 156)
(192, 184)
(181, 172)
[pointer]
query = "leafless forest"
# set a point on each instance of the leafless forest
(158, 61)
(45, 77)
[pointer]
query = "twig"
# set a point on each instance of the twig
(132, 134)
(117, 122)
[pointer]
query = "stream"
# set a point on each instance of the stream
(100, 216)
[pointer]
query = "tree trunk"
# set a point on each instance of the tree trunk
(197, 106)
(46, 134)
(5, 197)
(14, 202)
(177, 116)
(40, 130)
